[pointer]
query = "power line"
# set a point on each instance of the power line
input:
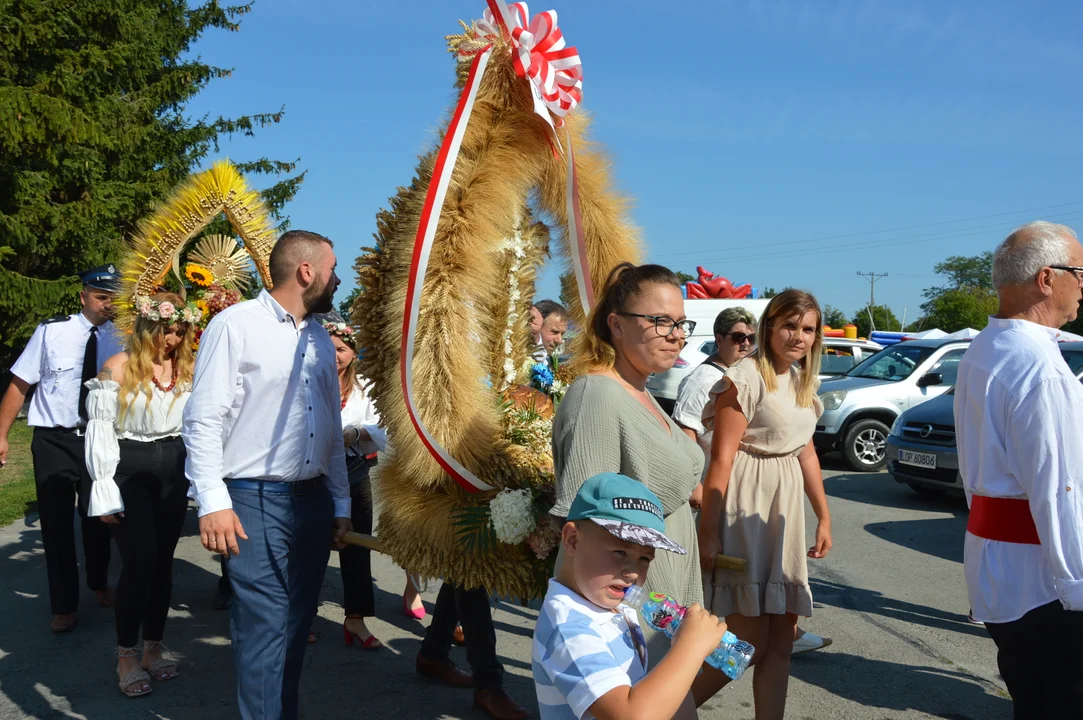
(890, 230)
(903, 240)
(872, 277)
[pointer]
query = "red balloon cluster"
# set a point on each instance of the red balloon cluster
(711, 287)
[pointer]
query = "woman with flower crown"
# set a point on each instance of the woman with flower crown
(363, 437)
(135, 457)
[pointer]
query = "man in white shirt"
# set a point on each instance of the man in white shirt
(263, 429)
(1018, 412)
(63, 353)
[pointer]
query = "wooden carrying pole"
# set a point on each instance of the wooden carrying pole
(373, 543)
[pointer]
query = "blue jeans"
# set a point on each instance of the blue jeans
(276, 582)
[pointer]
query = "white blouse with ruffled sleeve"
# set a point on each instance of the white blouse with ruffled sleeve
(360, 414)
(143, 422)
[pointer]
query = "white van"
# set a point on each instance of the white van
(663, 386)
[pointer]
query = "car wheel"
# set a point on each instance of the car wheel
(865, 446)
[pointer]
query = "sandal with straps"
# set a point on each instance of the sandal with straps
(136, 682)
(369, 643)
(163, 668)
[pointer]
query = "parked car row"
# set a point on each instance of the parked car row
(921, 447)
(839, 357)
(861, 406)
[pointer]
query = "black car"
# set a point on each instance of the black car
(921, 448)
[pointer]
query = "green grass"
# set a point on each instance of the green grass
(17, 492)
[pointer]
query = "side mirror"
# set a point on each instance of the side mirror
(933, 378)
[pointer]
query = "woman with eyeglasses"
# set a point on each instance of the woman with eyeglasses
(608, 422)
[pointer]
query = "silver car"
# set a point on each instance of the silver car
(921, 445)
(860, 407)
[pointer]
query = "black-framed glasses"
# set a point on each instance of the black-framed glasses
(665, 326)
(1075, 270)
(740, 337)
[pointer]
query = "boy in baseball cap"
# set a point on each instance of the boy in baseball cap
(589, 652)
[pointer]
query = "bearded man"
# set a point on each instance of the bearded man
(263, 430)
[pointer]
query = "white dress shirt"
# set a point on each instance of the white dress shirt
(53, 360)
(265, 405)
(360, 414)
(1018, 413)
(143, 422)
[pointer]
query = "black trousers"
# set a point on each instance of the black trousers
(151, 480)
(1040, 659)
(60, 475)
(355, 562)
(470, 608)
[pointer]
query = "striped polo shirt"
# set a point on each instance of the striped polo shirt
(581, 652)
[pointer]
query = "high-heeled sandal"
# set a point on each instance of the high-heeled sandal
(409, 612)
(134, 677)
(369, 643)
(163, 669)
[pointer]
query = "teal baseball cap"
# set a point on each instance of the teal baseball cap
(626, 508)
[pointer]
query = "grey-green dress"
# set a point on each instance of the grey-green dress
(600, 427)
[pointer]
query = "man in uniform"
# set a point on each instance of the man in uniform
(63, 353)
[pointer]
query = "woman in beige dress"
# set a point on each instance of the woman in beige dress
(762, 463)
(608, 422)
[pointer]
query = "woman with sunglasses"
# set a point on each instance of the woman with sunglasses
(734, 337)
(608, 422)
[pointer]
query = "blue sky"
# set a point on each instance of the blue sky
(775, 143)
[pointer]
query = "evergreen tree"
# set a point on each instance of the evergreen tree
(94, 131)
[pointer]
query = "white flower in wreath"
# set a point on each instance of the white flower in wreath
(512, 515)
(154, 316)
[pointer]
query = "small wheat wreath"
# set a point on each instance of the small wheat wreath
(163, 236)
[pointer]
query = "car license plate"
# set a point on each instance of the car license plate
(917, 459)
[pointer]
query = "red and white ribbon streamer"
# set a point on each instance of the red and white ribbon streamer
(576, 238)
(556, 76)
(426, 231)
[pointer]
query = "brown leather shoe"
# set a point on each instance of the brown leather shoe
(63, 623)
(106, 598)
(443, 671)
(499, 705)
(458, 638)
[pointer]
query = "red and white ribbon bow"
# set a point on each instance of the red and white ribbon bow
(539, 54)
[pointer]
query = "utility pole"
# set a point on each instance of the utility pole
(873, 277)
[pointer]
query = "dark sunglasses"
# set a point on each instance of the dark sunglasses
(740, 337)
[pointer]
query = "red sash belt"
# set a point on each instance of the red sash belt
(1002, 519)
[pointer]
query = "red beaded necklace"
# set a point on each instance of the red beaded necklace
(172, 382)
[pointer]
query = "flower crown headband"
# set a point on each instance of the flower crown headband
(340, 330)
(166, 312)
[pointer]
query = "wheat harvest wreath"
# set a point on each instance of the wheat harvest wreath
(466, 490)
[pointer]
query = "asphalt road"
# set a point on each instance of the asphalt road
(891, 594)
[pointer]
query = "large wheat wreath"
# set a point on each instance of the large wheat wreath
(472, 336)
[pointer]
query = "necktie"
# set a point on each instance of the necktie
(90, 369)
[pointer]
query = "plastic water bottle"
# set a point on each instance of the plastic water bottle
(664, 614)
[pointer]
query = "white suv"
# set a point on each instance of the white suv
(861, 406)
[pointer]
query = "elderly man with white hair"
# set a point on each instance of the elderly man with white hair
(1019, 425)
